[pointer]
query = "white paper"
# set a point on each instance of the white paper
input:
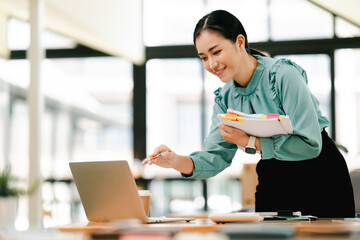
(255, 125)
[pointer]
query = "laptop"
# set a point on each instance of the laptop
(108, 192)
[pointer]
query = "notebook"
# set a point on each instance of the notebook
(258, 125)
(108, 192)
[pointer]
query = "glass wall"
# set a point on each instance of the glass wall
(4, 117)
(87, 116)
(174, 89)
(99, 94)
(182, 16)
(347, 85)
(298, 19)
(345, 29)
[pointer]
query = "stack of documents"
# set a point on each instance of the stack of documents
(258, 125)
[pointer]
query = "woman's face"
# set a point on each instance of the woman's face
(219, 56)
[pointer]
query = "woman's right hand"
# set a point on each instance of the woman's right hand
(164, 157)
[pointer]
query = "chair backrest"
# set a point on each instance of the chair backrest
(355, 180)
(249, 181)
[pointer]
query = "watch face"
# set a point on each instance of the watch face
(250, 150)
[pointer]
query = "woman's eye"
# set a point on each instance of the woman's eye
(217, 52)
(203, 58)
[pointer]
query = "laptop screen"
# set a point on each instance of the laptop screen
(107, 190)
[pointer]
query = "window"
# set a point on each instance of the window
(298, 19)
(347, 100)
(345, 29)
(174, 104)
(87, 116)
(170, 22)
(182, 16)
(96, 94)
(252, 14)
(4, 118)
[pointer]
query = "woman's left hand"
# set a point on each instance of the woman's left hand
(233, 135)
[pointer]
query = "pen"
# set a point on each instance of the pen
(151, 159)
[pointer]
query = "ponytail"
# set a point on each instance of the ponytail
(253, 51)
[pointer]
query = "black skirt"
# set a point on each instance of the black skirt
(319, 186)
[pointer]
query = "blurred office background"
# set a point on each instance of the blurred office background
(100, 105)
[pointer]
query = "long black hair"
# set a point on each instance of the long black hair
(225, 24)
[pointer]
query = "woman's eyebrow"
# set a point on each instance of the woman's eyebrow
(210, 49)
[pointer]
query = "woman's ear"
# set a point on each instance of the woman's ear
(240, 41)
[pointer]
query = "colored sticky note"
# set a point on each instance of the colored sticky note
(273, 115)
(231, 116)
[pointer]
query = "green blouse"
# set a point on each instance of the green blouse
(277, 86)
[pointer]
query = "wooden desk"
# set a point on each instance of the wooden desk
(314, 230)
(85, 227)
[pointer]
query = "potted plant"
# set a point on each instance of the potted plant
(9, 193)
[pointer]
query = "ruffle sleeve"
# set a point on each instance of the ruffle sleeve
(289, 90)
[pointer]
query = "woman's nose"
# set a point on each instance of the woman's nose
(213, 63)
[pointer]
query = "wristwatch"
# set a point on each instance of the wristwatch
(250, 148)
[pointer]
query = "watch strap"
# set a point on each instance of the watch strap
(251, 142)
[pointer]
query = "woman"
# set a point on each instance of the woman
(300, 172)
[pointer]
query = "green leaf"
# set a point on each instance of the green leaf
(6, 185)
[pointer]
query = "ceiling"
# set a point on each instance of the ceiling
(116, 29)
(347, 9)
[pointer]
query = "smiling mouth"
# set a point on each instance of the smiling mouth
(219, 72)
